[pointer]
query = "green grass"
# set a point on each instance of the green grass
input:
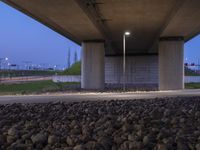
(36, 87)
(75, 69)
(192, 85)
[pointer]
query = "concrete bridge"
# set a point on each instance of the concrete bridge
(154, 50)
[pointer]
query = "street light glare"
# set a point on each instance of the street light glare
(6, 58)
(127, 33)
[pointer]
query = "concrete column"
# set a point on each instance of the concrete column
(171, 63)
(92, 71)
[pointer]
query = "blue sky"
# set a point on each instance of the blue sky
(24, 39)
(192, 50)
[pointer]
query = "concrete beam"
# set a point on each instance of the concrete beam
(93, 12)
(171, 63)
(175, 9)
(92, 69)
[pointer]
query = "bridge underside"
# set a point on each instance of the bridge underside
(159, 27)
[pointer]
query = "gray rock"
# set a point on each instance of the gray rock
(162, 147)
(52, 139)
(39, 138)
(79, 147)
(182, 146)
(197, 114)
(131, 137)
(13, 131)
(197, 146)
(91, 145)
(19, 146)
(146, 140)
(2, 139)
(166, 113)
(182, 120)
(70, 141)
(137, 145)
(127, 127)
(26, 136)
(125, 145)
(106, 142)
(11, 139)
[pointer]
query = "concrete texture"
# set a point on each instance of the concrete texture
(92, 69)
(139, 69)
(171, 65)
(77, 97)
(107, 20)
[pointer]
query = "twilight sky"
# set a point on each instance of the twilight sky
(24, 39)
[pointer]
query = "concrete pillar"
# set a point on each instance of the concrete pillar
(171, 63)
(92, 69)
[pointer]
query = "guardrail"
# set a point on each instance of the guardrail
(192, 79)
(66, 78)
(70, 78)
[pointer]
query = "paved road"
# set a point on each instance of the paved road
(94, 96)
(7, 80)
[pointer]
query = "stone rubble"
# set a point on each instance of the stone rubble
(151, 124)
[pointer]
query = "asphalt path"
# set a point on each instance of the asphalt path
(76, 97)
(24, 79)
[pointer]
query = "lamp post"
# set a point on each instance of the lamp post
(1, 60)
(124, 58)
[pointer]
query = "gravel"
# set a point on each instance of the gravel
(158, 124)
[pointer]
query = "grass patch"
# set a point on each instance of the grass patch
(192, 85)
(36, 87)
(75, 69)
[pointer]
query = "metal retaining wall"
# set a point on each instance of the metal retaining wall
(139, 69)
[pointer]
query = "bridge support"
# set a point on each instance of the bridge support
(171, 63)
(92, 69)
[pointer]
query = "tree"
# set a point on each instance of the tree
(75, 56)
(68, 58)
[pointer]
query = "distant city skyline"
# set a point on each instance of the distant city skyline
(25, 39)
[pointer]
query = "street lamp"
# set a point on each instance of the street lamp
(55, 67)
(1, 60)
(124, 58)
(9, 66)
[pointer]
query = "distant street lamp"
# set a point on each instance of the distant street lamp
(9, 66)
(55, 67)
(124, 59)
(1, 60)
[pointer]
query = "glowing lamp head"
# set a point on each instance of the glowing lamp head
(127, 33)
(6, 58)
